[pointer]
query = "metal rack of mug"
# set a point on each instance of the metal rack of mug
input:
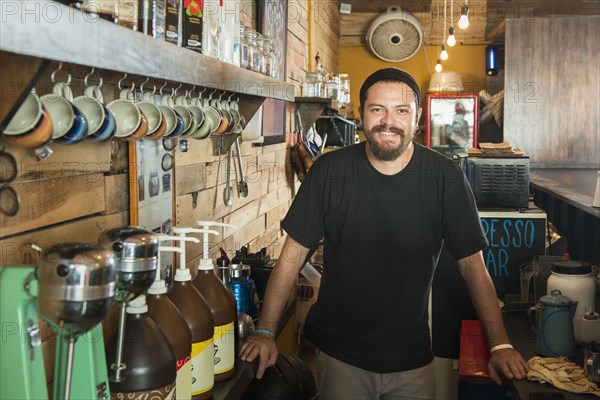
(73, 100)
(61, 33)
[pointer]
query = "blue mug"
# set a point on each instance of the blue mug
(68, 122)
(108, 128)
(78, 130)
(178, 128)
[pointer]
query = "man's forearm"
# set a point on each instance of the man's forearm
(483, 296)
(281, 282)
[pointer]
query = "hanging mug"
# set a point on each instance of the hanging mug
(174, 119)
(69, 125)
(101, 122)
(31, 126)
(189, 124)
(127, 115)
(213, 114)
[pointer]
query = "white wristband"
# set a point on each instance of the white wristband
(500, 347)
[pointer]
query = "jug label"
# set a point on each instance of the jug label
(224, 348)
(164, 393)
(203, 378)
(184, 378)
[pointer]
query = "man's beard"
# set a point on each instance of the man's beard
(383, 151)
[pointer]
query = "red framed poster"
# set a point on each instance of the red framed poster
(452, 123)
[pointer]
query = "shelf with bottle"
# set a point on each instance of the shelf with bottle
(312, 107)
(58, 32)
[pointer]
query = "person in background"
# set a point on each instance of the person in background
(383, 208)
(458, 131)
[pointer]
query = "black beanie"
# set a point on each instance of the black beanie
(390, 74)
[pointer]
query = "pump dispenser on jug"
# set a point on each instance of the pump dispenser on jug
(172, 323)
(223, 310)
(200, 320)
(136, 255)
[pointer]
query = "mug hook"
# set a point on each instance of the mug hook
(121, 80)
(211, 94)
(174, 91)
(200, 93)
(143, 83)
(53, 76)
(162, 87)
(188, 93)
(85, 80)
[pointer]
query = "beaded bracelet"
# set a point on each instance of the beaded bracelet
(266, 332)
(500, 347)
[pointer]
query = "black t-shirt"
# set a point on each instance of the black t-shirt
(382, 238)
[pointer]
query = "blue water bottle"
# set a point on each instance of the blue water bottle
(244, 290)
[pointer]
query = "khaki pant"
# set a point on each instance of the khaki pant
(341, 381)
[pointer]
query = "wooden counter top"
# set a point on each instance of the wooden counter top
(523, 338)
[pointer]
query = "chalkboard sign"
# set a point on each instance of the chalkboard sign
(514, 239)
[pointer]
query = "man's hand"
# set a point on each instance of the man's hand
(508, 363)
(264, 347)
(282, 280)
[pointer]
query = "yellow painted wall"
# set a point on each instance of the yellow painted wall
(469, 61)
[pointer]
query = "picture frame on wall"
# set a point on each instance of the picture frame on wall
(452, 123)
(272, 22)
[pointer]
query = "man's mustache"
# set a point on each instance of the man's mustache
(387, 128)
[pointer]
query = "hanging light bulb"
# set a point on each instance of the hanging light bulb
(438, 66)
(444, 53)
(463, 22)
(451, 39)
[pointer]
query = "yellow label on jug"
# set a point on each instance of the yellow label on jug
(224, 348)
(184, 378)
(203, 378)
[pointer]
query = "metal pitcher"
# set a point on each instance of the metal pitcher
(555, 325)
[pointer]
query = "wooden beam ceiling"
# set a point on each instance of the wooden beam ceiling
(486, 16)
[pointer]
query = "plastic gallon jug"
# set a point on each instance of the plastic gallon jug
(199, 318)
(148, 355)
(574, 279)
(223, 310)
(170, 321)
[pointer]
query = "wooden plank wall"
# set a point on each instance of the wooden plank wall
(552, 102)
